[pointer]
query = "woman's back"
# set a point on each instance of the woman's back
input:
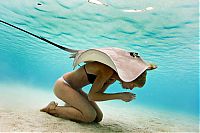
(86, 74)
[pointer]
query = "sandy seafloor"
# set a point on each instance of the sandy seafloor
(20, 104)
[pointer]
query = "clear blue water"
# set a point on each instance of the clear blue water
(167, 35)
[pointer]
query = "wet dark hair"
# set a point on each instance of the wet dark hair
(141, 79)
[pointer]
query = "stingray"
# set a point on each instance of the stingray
(128, 65)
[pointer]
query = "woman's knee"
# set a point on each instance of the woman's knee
(94, 117)
(90, 116)
(99, 117)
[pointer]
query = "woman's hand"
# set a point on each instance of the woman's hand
(127, 96)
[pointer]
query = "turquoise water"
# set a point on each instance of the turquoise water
(166, 35)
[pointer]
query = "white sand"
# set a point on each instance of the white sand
(19, 112)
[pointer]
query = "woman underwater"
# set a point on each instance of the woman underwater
(80, 106)
(109, 65)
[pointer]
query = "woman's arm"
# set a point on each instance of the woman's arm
(105, 77)
(108, 83)
(103, 80)
(100, 96)
(104, 96)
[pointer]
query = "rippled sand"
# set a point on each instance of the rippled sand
(19, 112)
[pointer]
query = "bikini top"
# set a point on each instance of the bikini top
(91, 77)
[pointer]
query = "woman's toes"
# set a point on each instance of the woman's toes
(51, 106)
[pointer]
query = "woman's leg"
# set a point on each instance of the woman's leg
(80, 108)
(99, 116)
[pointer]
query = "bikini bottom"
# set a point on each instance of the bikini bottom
(64, 81)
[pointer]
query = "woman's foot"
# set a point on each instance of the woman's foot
(51, 106)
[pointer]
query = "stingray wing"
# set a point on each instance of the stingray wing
(127, 67)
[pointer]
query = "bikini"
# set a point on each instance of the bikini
(91, 77)
(65, 82)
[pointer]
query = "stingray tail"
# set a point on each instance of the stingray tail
(43, 39)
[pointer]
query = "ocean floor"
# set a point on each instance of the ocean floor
(20, 105)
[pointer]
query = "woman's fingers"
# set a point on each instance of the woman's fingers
(127, 96)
